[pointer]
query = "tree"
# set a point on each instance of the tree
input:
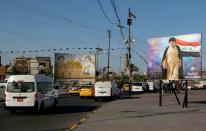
(18, 69)
(139, 77)
(123, 78)
(134, 68)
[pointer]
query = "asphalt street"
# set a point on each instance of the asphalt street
(70, 110)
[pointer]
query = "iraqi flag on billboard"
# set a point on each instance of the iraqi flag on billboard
(192, 49)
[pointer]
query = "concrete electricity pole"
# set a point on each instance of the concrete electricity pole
(98, 49)
(129, 23)
(109, 32)
(120, 65)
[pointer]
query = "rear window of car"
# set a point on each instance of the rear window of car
(137, 84)
(20, 87)
(87, 86)
(103, 84)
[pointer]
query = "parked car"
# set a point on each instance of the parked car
(126, 87)
(137, 87)
(3, 83)
(74, 90)
(106, 89)
(86, 91)
(33, 92)
(200, 84)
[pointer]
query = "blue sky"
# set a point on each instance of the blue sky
(47, 24)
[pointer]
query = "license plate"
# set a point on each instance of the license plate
(19, 99)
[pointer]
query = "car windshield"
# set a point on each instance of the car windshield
(20, 87)
(137, 84)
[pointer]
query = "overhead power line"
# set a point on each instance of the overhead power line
(118, 19)
(105, 15)
(29, 37)
(62, 18)
(142, 49)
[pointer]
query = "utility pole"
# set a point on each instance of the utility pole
(97, 53)
(0, 60)
(22, 63)
(109, 33)
(97, 60)
(120, 65)
(129, 23)
(98, 49)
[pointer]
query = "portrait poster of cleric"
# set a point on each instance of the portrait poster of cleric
(175, 57)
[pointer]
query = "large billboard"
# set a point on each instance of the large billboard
(175, 57)
(70, 66)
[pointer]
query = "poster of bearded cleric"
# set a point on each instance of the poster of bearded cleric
(72, 66)
(175, 57)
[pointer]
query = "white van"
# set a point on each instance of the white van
(106, 89)
(137, 87)
(29, 91)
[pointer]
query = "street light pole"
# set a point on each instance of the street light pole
(97, 60)
(22, 63)
(120, 65)
(98, 49)
(109, 32)
(129, 23)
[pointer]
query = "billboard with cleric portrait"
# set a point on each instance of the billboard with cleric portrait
(73, 66)
(175, 57)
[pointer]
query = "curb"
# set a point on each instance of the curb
(74, 126)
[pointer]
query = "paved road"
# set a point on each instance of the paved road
(69, 111)
(142, 113)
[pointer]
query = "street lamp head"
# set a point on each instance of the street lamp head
(133, 40)
(126, 41)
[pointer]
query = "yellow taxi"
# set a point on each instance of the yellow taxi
(126, 87)
(86, 91)
(74, 90)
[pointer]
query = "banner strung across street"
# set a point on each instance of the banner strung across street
(70, 66)
(175, 57)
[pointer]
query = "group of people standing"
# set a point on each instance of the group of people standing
(172, 86)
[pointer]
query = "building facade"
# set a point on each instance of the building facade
(38, 65)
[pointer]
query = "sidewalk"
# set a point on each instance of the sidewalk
(143, 113)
